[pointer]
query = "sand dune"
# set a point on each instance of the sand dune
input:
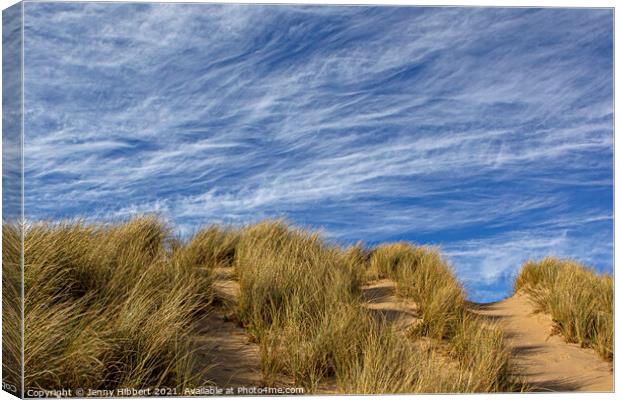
(165, 325)
(544, 359)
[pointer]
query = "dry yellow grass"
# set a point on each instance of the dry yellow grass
(111, 306)
(108, 306)
(579, 300)
(301, 299)
(478, 346)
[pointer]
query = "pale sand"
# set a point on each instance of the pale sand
(384, 304)
(224, 344)
(544, 359)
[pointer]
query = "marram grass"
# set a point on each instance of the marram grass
(109, 306)
(301, 298)
(116, 305)
(477, 346)
(579, 300)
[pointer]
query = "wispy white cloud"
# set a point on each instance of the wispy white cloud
(373, 123)
(488, 266)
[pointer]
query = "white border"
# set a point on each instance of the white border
(481, 3)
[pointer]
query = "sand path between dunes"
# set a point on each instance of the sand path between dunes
(544, 359)
(224, 345)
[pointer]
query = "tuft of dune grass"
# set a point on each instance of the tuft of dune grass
(301, 299)
(110, 306)
(579, 300)
(212, 247)
(422, 275)
(382, 361)
(480, 347)
(292, 292)
(384, 259)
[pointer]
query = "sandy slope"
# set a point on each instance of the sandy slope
(384, 304)
(546, 361)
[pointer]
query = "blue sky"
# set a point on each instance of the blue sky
(488, 132)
